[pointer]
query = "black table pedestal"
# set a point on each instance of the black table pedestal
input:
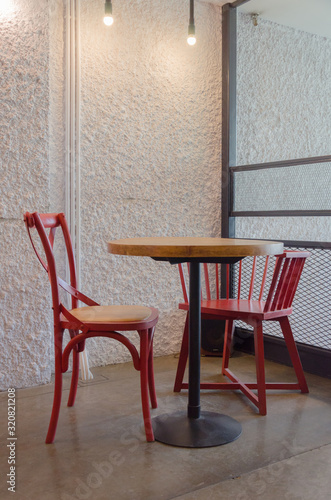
(210, 429)
(195, 429)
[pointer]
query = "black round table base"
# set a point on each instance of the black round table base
(211, 429)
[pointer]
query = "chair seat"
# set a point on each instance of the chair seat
(236, 308)
(111, 314)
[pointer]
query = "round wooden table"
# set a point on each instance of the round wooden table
(195, 429)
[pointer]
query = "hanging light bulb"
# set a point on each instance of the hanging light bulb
(191, 40)
(108, 19)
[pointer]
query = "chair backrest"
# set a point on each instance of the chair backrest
(285, 279)
(42, 223)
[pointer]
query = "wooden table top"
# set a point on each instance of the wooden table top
(193, 247)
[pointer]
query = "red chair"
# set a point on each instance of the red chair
(276, 307)
(90, 321)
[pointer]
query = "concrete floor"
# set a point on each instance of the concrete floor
(100, 452)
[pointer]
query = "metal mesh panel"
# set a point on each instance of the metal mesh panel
(300, 187)
(311, 317)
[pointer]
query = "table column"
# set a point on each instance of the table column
(193, 408)
(195, 428)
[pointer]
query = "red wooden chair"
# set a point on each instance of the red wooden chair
(276, 307)
(90, 321)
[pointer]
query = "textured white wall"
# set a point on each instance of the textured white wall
(56, 104)
(24, 185)
(284, 111)
(150, 112)
(284, 93)
(150, 150)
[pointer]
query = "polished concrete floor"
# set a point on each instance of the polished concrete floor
(100, 452)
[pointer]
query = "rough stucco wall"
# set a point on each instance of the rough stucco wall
(284, 93)
(150, 150)
(24, 185)
(56, 105)
(284, 111)
(151, 112)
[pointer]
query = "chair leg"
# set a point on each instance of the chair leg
(74, 377)
(57, 392)
(293, 352)
(182, 359)
(260, 370)
(151, 382)
(229, 325)
(144, 363)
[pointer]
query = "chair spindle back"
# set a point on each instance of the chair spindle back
(286, 275)
(285, 280)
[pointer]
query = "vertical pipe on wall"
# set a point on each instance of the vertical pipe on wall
(77, 134)
(72, 141)
(72, 211)
(71, 105)
(67, 179)
(84, 363)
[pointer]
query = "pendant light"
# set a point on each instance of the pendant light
(108, 19)
(191, 40)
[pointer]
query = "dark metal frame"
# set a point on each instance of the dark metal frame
(229, 62)
(303, 244)
(315, 360)
(281, 213)
(284, 163)
(229, 105)
(272, 165)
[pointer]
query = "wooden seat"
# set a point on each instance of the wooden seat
(110, 314)
(90, 321)
(277, 306)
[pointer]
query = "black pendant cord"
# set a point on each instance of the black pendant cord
(191, 26)
(191, 12)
